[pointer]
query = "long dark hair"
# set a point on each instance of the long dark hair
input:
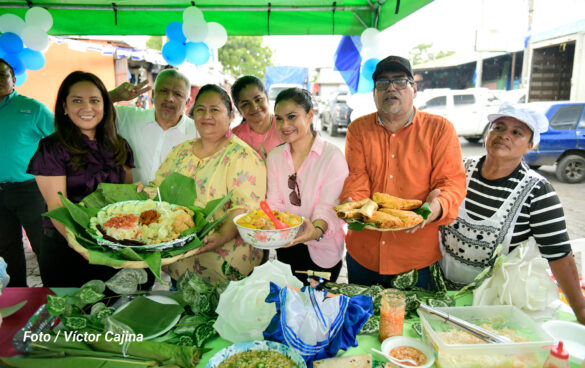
(301, 97)
(69, 134)
(244, 82)
(225, 98)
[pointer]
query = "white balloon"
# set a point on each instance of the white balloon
(370, 39)
(195, 31)
(192, 14)
(35, 38)
(39, 17)
(369, 53)
(216, 35)
(11, 23)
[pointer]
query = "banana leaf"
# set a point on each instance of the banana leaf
(358, 225)
(147, 317)
(175, 189)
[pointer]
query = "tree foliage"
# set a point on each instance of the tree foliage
(154, 42)
(243, 55)
(423, 53)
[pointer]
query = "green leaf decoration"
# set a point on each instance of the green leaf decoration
(418, 329)
(63, 216)
(74, 322)
(78, 213)
(126, 280)
(185, 341)
(371, 326)
(203, 333)
(424, 210)
(437, 303)
(121, 192)
(87, 295)
(147, 317)
(95, 200)
(96, 285)
(56, 305)
(437, 279)
(178, 189)
(496, 261)
(231, 273)
(405, 280)
(216, 204)
(8, 311)
(115, 326)
(188, 324)
(412, 302)
(211, 225)
(357, 225)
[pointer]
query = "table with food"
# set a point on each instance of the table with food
(266, 319)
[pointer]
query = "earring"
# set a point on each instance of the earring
(228, 133)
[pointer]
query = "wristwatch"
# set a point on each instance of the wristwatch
(322, 232)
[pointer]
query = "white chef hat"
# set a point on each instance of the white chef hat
(536, 121)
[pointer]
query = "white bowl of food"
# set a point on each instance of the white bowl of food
(258, 230)
(401, 347)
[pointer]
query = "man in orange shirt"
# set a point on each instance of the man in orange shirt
(409, 154)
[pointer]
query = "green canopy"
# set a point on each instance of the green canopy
(239, 17)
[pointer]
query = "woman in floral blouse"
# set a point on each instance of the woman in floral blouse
(219, 162)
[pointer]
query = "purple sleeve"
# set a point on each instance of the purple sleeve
(50, 159)
(130, 156)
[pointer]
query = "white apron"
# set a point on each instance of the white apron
(467, 245)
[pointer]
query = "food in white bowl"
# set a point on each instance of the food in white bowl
(259, 353)
(258, 230)
(401, 347)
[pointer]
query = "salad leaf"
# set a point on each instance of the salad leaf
(424, 210)
(178, 189)
(216, 204)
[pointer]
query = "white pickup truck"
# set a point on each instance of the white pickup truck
(467, 109)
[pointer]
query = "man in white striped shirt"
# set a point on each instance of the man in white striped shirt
(507, 203)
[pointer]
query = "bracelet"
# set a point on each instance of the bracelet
(322, 232)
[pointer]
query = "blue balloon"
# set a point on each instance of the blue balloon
(197, 53)
(365, 85)
(15, 62)
(174, 31)
(2, 53)
(369, 67)
(33, 60)
(11, 43)
(20, 79)
(174, 53)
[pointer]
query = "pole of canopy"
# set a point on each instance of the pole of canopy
(268, 20)
(333, 17)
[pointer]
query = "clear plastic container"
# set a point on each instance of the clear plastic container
(458, 349)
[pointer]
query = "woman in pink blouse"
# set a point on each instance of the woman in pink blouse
(305, 177)
(257, 128)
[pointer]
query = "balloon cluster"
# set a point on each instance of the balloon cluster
(362, 103)
(190, 41)
(23, 42)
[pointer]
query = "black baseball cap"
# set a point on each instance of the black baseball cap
(395, 63)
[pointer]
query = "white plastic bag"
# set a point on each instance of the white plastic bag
(523, 280)
(243, 313)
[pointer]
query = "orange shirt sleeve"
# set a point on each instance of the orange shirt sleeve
(448, 173)
(357, 185)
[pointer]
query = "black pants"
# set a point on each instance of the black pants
(299, 259)
(61, 266)
(21, 205)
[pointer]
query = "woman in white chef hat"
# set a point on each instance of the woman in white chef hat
(507, 203)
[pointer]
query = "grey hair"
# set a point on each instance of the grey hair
(172, 73)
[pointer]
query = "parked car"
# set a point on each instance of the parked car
(275, 89)
(563, 143)
(467, 109)
(335, 116)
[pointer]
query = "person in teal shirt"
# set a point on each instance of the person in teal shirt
(23, 123)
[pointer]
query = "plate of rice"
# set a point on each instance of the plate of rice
(144, 225)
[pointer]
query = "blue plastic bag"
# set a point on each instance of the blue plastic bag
(316, 325)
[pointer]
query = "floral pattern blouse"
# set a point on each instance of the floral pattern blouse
(236, 167)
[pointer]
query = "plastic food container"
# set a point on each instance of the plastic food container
(458, 349)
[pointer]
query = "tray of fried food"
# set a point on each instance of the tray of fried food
(383, 212)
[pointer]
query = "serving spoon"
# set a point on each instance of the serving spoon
(396, 360)
(277, 223)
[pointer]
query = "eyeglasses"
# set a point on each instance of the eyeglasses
(383, 84)
(295, 195)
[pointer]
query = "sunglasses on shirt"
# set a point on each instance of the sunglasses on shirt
(295, 195)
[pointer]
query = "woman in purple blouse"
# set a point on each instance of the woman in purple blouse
(85, 150)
